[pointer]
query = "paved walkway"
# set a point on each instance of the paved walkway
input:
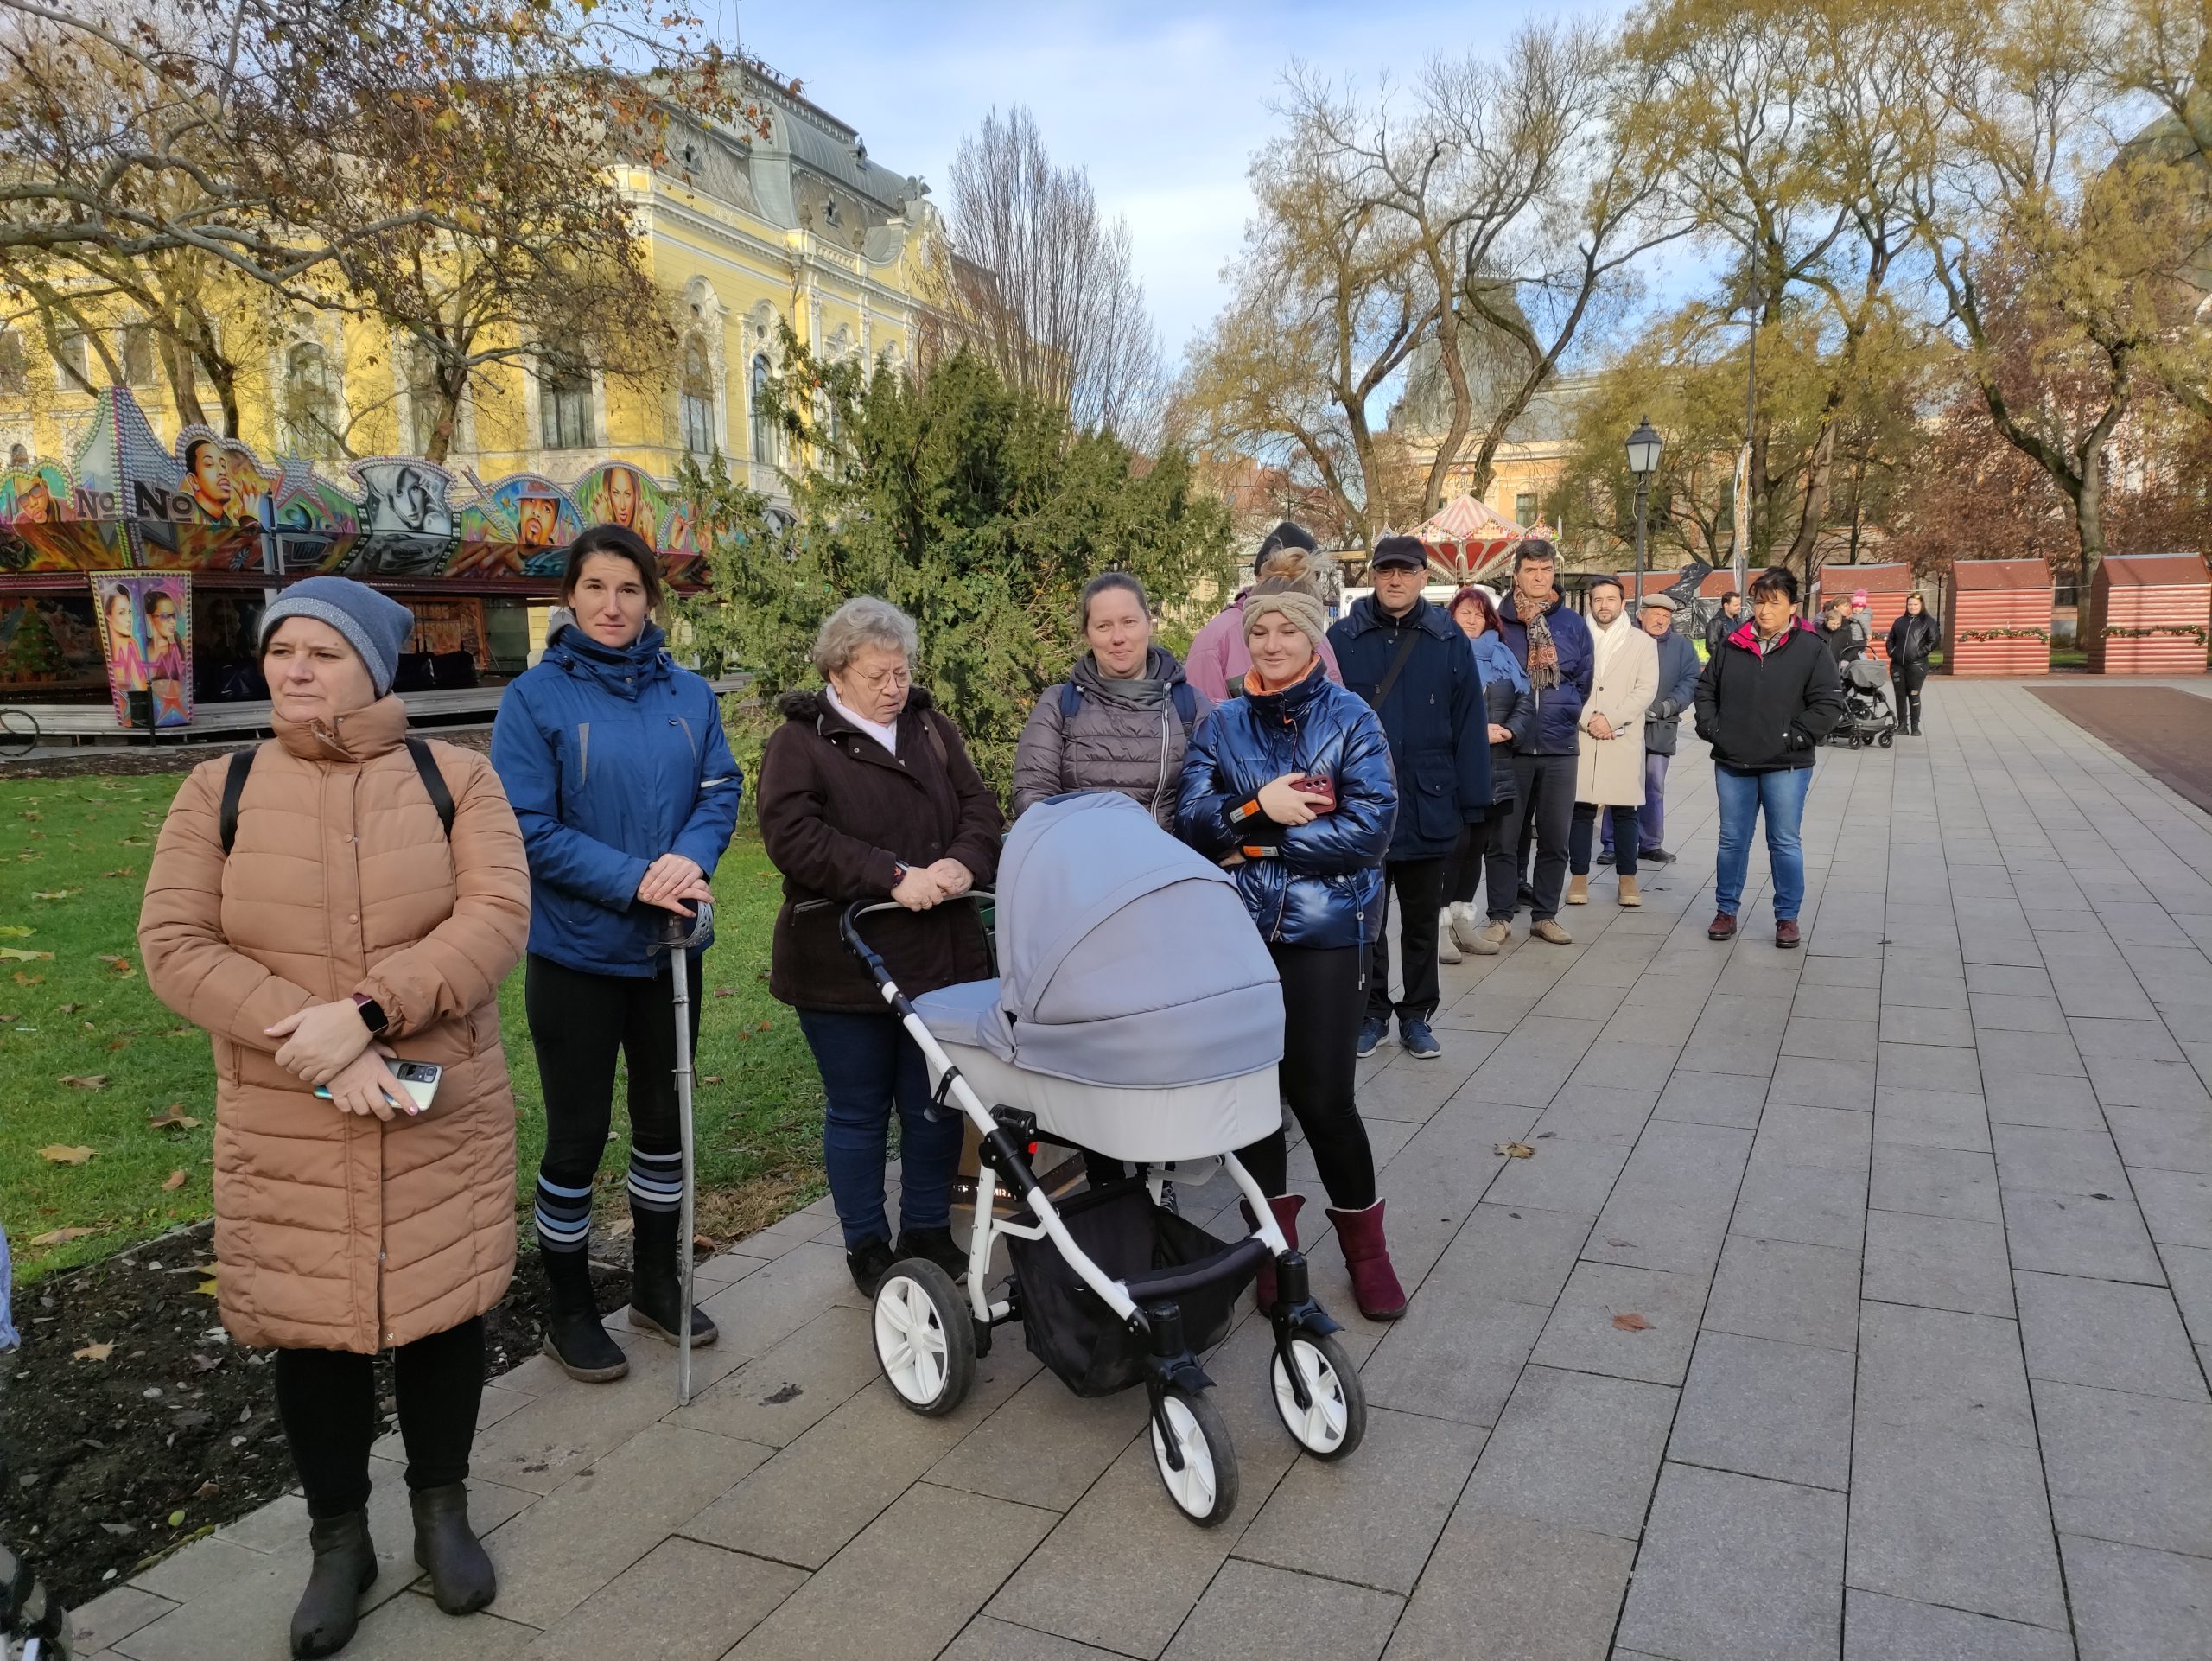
(1906, 1216)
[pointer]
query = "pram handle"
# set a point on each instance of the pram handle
(849, 924)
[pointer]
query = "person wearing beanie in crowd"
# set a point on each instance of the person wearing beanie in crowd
(1766, 701)
(1678, 673)
(1411, 663)
(334, 898)
(1554, 647)
(1217, 660)
(616, 763)
(1609, 770)
(1290, 786)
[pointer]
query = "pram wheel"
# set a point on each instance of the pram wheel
(1336, 1419)
(924, 1338)
(1855, 742)
(1888, 740)
(1204, 1489)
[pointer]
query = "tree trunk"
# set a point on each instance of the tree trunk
(184, 389)
(1819, 471)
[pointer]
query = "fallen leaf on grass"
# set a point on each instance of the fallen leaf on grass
(123, 968)
(92, 1352)
(206, 1288)
(121, 870)
(9, 1015)
(725, 991)
(22, 954)
(71, 1008)
(712, 1079)
(1631, 1323)
(703, 1243)
(84, 1080)
(1516, 1150)
(21, 979)
(173, 1181)
(60, 1155)
(17, 931)
(53, 894)
(173, 1117)
(176, 1519)
(61, 1236)
(132, 841)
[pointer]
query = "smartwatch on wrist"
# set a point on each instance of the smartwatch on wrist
(372, 1015)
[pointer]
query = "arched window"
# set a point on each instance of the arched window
(764, 430)
(311, 411)
(564, 404)
(697, 394)
(15, 368)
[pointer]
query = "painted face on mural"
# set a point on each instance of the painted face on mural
(161, 621)
(120, 627)
(535, 517)
(207, 480)
(622, 498)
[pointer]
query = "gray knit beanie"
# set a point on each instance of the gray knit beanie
(1295, 600)
(374, 625)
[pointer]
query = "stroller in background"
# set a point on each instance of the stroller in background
(1139, 1016)
(1868, 717)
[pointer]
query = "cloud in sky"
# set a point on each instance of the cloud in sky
(1164, 104)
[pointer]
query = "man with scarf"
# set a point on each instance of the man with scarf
(1410, 662)
(1555, 648)
(1608, 774)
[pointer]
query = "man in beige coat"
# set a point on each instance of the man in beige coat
(1609, 771)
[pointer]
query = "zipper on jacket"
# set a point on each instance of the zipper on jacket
(678, 721)
(583, 752)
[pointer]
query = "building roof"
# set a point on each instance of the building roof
(1985, 574)
(2153, 571)
(1875, 579)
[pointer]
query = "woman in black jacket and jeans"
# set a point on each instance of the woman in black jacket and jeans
(1912, 637)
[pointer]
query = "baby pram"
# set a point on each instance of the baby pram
(1137, 1014)
(1868, 718)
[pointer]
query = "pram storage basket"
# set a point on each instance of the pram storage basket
(1062, 1321)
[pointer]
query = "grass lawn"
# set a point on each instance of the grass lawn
(76, 851)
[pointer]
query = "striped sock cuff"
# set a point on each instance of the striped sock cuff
(563, 1217)
(656, 1181)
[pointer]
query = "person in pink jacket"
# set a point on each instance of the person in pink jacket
(1218, 659)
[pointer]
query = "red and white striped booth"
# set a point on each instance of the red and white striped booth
(2149, 615)
(1998, 620)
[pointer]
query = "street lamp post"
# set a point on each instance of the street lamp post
(1643, 447)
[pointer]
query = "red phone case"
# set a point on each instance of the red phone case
(1323, 785)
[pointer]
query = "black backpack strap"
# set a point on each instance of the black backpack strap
(1397, 668)
(434, 781)
(233, 789)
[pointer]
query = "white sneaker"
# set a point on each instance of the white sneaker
(1447, 948)
(1466, 925)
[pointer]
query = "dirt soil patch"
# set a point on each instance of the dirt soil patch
(2166, 733)
(111, 1459)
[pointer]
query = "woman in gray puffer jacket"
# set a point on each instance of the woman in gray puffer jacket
(1122, 721)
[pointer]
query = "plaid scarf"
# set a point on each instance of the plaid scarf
(1543, 656)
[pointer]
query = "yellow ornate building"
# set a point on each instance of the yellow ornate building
(745, 230)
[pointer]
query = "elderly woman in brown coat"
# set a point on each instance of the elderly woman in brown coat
(342, 898)
(867, 792)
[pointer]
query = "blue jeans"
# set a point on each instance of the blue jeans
(869, 1063)
(1780, 794)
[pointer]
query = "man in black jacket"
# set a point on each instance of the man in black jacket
(1409, 660)
(1767, 697)
(1724, 622)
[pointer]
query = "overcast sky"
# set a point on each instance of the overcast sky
(1164, 104)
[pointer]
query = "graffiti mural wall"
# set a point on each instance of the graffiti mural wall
(211, 504)
(146, 635)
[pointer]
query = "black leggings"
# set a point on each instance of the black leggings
(578, 1024)
(1324, 994)
(327, 1400)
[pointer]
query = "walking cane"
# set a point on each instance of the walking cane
(678, 935)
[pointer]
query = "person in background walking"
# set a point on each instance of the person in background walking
(1122, 721)
(1912, 637)
(1678, 673)
(867, 792)
(626, 791)
(1554, 647)
(1292, 787)
(1609, 767)
(1766, 701)
(1511, 708)
(353, 895)
(1724, 622)
(1219, 657)
(1411, 663)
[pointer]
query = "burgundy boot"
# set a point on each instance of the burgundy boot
(1374, 1282)
(1286, 1208)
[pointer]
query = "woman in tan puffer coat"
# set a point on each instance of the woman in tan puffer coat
(343, 927)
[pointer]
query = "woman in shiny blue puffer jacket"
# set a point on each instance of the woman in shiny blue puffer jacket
(1290, 786)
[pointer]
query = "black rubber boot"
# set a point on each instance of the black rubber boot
(574, 1336)
(656, 1292)
(937, 1246)
(345, 1567)
(461, 1577)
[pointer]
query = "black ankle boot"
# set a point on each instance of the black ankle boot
(937, 1246)
(461, 1578)
(655, 1291)
(574, 1336)
(345, 1566)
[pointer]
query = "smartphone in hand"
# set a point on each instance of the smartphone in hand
(418, 1078)
(1317, 785)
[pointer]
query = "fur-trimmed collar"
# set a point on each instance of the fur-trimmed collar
(808, 704)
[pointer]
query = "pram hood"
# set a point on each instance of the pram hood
(1126, 958)
(1866, 673)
